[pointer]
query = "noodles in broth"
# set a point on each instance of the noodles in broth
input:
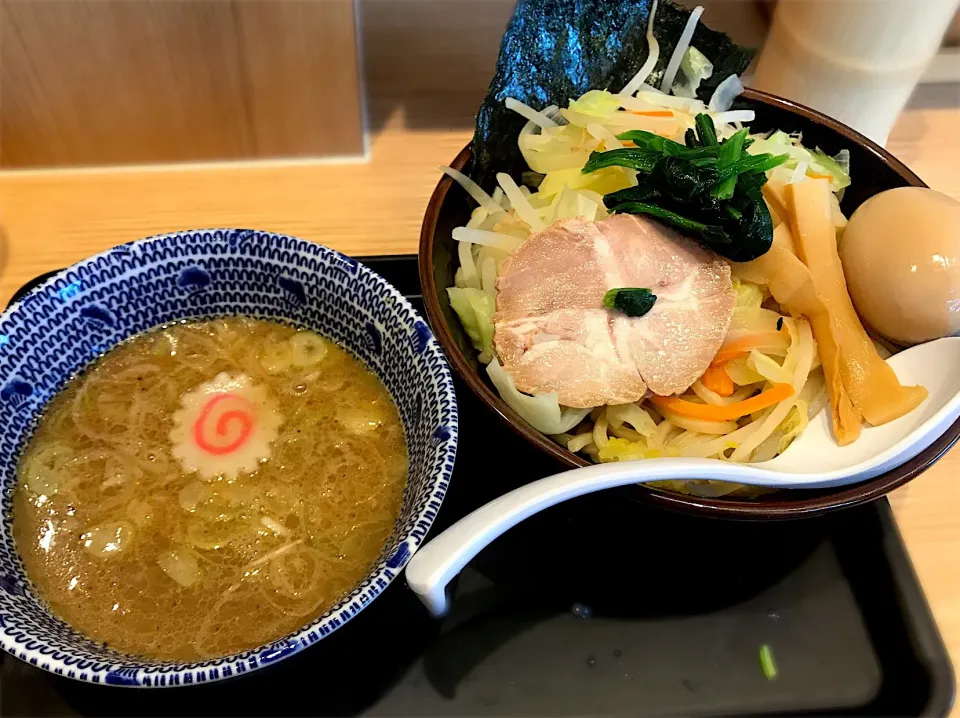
(209, 487)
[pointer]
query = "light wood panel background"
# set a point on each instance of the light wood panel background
(100, 82)
(135, 81)
(431, 60)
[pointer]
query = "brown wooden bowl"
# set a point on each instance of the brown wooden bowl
(873, 170)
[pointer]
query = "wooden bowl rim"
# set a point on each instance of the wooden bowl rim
(790, 508)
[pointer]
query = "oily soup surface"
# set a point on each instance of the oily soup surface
(209, 487)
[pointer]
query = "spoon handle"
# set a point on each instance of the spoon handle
(434, 565)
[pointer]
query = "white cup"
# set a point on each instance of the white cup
(855, 60)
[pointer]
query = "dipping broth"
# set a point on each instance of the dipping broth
(209, 487)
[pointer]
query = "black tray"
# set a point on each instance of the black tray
(597, 607)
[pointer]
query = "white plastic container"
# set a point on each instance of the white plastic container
(855, 60)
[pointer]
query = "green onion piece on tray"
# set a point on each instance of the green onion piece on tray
(766, 662)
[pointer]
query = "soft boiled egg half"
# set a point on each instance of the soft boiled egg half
(901, 258)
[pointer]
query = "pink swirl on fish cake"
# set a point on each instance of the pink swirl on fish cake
(224, 427)
(214, 423)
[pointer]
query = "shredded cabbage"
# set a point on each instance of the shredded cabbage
(694, 69)
(623, 450)
(633, 415)
(621, 121)
(768, 368)
(799, 173)
(475, 308)
(609, 140)
(542, 412)
(748, 293)
(555, 148)
(571, 203)
(653, 96)
(755, 320)
(837, 170)
(826, 165)
(794, 425)
(598, 103)
(603, 181)
(740, 373)
(842, 158)
(678, 52)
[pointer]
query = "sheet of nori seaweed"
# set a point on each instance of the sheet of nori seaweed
(555, 50)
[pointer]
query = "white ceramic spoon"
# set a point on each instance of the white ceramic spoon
(814, 460)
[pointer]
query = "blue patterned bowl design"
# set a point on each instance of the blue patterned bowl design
(85, 310)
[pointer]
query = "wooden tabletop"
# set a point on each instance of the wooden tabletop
(52, 219)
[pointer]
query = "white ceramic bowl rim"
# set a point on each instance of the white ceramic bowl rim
(60, 326)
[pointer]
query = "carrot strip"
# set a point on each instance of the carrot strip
(742, 345)
(653, 113)
(730, 412)
(717, 381)
(817, 175)
(727, 355)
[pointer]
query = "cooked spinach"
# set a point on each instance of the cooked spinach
(632, 301)
(705, 188)
(706, 132)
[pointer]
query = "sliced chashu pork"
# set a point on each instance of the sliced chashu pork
(552, 332)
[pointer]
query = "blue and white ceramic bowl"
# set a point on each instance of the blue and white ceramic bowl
(85, 310)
